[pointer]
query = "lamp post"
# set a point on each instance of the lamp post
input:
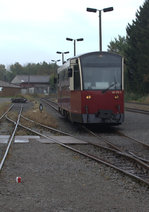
(28, 81)
(54, 81)
(74, 40)
(55, 64)
(62, 53)
(108, 9)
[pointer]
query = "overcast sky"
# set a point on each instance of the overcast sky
(31, 31)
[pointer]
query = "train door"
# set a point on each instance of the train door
(77, 81)
(76, 93)
(75, 77)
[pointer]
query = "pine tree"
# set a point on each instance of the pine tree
(118, 46)
(137, 53)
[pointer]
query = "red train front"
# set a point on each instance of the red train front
(91, 90)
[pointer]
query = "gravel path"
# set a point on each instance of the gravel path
(55, 179)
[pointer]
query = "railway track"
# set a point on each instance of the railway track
(114, 156)
(131, 146)
(109, 154)
(137, 108)
(12, 135)
(120, 161)
(50, 103)
(133, 149)
(134, 110)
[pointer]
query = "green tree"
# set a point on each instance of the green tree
(137, 51)
(118, 45)
(2, 72)
(16, 68)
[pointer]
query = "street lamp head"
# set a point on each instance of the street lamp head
(55, 61)
(91, 10)
(108, 9)
(80, 39)
(66, 52)
(70, 39)
(62, 52)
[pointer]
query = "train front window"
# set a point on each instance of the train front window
(101, 76)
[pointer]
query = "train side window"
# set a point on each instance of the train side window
(69, 72)
(58, 78)
(77, 85)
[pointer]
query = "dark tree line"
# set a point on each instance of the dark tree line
(135, 49)
(31, 68)
(2, 72)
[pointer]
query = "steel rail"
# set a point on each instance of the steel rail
(142, 159)
(138, 103)
(118, 148)
(6, 111)
(97, 159)
(47, 127)
(10, 139)
(128, 153)
(105, 140)
(109, 143)
(137, 110)
(133, 139)
(114, 147)
(47, 102)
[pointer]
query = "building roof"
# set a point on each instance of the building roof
(8, 85)
(31, 79)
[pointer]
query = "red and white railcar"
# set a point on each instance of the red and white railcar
(91, 88)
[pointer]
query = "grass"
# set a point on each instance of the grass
(41, 117)
(145, 99)
(132, 97)
(34, 114)
(4, 107)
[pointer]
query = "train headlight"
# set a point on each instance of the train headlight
(88, 97)
(116, 97)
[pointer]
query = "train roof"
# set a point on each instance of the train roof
(67, 63)
(95, 52)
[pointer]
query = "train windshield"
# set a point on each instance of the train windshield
(102, 72)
